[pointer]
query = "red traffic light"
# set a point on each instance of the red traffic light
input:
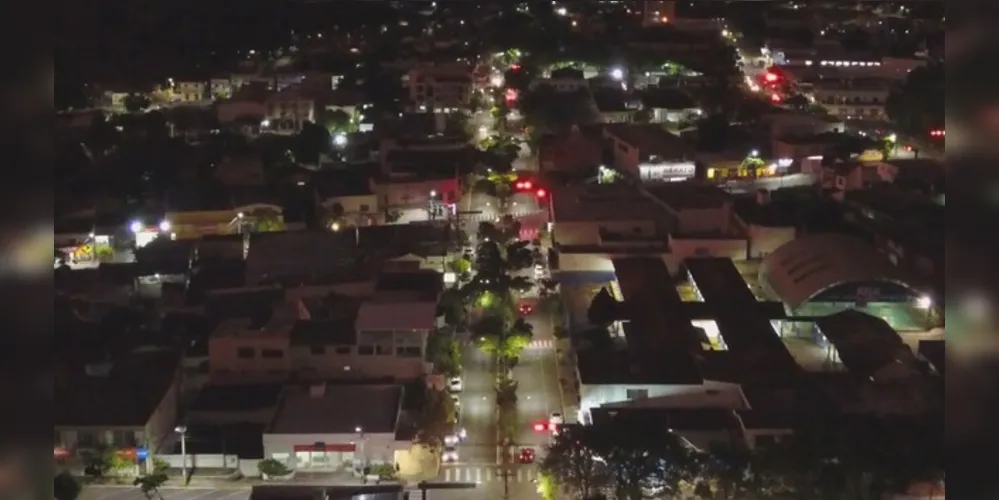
(540, 426)
(542, 193)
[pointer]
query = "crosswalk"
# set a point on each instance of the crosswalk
(541, 344)
(487, 474)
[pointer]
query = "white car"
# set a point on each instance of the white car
(539, 271)
(451, 440)
(555, 420)
(450, 454)
(454, 385)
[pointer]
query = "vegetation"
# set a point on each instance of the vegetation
(273, 468)
(856, 459)
(66, 486)
(150, 484)
(916, 105)
(436, 418)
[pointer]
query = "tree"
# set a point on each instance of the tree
(573, 463)
(798, 102)
(603, 308)
(445, 353)
(312, 142)
(66, 487)
(338, 121)
(916, 105)
(519, 255)
(654, 459)
(150, 484)
(136, 103)
(643, 115)
(435, 418)
(267, 221)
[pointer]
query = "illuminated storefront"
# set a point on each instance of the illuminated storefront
(667, 171)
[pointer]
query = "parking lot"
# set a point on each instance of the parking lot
(192, 493)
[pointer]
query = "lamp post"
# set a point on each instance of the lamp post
(360, 442)
(182, 430)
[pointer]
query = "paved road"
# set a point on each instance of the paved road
(132, 493)
(478, 412)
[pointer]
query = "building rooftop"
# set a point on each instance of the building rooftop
(322, 409)
(659, 339)
(865, 343)
(653, 143)
(334, 332)
(391, 315)
(345, 182)
(241, 302)
(116, 394)
(425, 283)
(672, 419)
(274, 321)
(689, 195)
(237, 398)
(603, 202)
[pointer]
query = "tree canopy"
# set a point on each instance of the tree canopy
(916, 105)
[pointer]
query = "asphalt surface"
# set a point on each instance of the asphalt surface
(132, 493)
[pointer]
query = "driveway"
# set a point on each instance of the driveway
(192, 493)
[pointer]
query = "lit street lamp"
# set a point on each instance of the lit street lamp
(182, 430)
(360, 442)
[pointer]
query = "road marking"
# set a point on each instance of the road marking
(541, 344)
(478, 475)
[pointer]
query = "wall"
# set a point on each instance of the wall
(722, 395)
(355, 205)
(684, 248)
(765, 240)
(350, 364)
(223, 355)
(356, 289)
(229, 111)
(706, 219)
(163, 420)
(588, 232)
(626, 157)
(377, 448)
(205, 461)
(585, 262)
(417, 194)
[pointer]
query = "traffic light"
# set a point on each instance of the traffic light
(541, 193)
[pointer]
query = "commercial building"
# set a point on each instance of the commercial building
(856, 98)
(325, 427)
(440, 88)
(649, 152)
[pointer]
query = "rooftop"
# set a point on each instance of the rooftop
(865, 343)
(402, 315)
(343, 182)
(276, 320)
(679, 420)
(603, 202)
(334, 332)
(653, 143)
(310, 410)
(425, 283)
(241, 302)
(117, 394)
(237, 398)
(667, 98)
(689, 195)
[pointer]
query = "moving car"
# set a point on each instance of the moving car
(539, 271)
(555, 420)
(450, 454)
(454, 385)
(526, 309)
(526, 456)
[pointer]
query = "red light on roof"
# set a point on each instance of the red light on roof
(770, 77)
(542, 193)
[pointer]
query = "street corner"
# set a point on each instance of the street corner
(180, 493)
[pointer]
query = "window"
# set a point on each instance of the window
(318, 349)
(408, 351)
(272, 353)
(365, 350)
(245, 353)
(633, 394)
(343, 349)
(383, 350)
(365, 208)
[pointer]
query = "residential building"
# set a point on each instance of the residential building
(326, 427)
(248, 103)
(221, 217)
(288, 110)
(614, 106)
(220, 88)
(440, 88)
(783, 122)
(650, 153)
(854, 98)
(190, 91)
(706, 223)
(129, 405)
(577, 151)
(670, 106)
(349, 197)
(563, 80)
(799, 145)
(253, 349)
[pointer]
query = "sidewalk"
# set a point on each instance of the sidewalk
(565, 360)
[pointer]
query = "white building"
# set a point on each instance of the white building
(329, 428)
(854, 98)
(649, 152)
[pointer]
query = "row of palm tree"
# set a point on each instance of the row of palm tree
(851, 459)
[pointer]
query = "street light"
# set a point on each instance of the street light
(617, 74)
(182, 430)
(360, 432)
(165, 226)
(340, 140)
(135, 226)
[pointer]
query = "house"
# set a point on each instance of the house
(667, 105)
(349, 197)
(190, 91)
(648, 152)
(247, 105)
(563, 80)
(288, 110)
(440, 88)
(209, 210)
(578, 150)
(129, 405)
(220, 88)
(800, 145)
(327, 427)
(253, 349)
(613, 106)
